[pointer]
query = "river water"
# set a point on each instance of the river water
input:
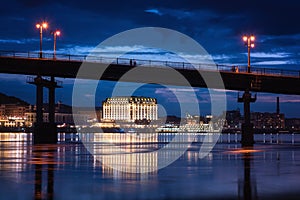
(67, 170)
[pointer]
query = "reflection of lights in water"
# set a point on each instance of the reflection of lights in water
(13, 137)
(134, 153)
(14, 152)
(123, 156)
(242, 151)
(44, 155)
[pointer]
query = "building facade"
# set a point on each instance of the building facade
(12, 115)
(130, 109)
(292, 124)
(12, 122)
(13, 110)
(268, 120)
(233, 119)
(63, 115)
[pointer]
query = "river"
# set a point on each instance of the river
(68, 170)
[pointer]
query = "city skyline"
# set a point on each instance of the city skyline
(134, 111)
(17, 101)
(217, 27)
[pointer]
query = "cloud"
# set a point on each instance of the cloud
(177, 13)
(73, 50)
(270, 55)
(11, 41)
(22, 41)
(173, 89)
(137, 52)
(154, 11)
(216, 26)
(273, 62)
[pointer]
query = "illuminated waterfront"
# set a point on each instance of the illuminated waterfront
(68, 171)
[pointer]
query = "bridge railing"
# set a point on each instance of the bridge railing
(151, 63)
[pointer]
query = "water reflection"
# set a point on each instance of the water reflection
(68, 170)
(247, 184)
(44, 160)
(136, 153)
(13, 153)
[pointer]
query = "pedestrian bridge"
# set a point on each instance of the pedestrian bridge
(271, 80)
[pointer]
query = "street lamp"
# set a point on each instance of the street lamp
(41, 26)
(55, 34)
(249, 43)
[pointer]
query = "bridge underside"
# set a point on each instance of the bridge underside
(232, 80)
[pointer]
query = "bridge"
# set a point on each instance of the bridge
(270, 80)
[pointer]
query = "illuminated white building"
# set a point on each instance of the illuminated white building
(130, 108)
(12, 122)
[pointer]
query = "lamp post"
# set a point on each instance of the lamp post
(249, 43)
(55, 34)
(41, 26)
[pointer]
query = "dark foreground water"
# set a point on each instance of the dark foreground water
(270, 170)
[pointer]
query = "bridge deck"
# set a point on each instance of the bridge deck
(67, 66)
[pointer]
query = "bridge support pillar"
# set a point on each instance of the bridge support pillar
(39, 99)
(52, 102)
(44, 132)
(247, 126)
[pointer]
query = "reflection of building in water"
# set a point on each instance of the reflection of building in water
(130, 108)
(129, 154)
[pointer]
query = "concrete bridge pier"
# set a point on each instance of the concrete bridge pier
(44, 132)
(39, 99)
(51, 110)
(247, 126)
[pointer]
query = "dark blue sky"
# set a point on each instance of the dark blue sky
(216, 25)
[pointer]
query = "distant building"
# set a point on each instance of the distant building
(2, 110)
(12, 115)
(196, 120)
(233, 119)
(13, 110)
(268, 120)
(63, 114)
(130, 109)
(292, 123)
(192, 120)
(60, 118)
(12, 122)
